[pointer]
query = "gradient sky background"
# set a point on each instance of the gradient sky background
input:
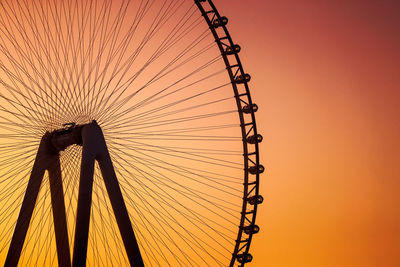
(326, 77)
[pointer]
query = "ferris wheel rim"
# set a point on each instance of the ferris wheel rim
(214, 21)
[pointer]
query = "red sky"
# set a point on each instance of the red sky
(326, 77)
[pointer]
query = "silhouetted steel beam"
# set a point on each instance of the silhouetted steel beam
(118, 205)
(84, 198)
(95, 148)
(59, 217)
(46, 159)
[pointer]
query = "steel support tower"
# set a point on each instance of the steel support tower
(94, 148)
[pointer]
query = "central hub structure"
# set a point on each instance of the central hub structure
(94, 148)
(70, 135)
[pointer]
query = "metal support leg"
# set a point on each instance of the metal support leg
(118, 205)
(59, 217)
(84, 198)
(45, 159)
(94, 148)
(28, 204)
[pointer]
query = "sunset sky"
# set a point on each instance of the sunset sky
(325, 75)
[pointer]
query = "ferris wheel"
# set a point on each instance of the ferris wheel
(127, 135)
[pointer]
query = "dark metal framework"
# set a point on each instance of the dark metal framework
(91, 138)
(94, 149)
(251, 139)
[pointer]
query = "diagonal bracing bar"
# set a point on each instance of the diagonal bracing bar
(91, 138)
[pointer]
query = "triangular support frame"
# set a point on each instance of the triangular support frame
(94, 148)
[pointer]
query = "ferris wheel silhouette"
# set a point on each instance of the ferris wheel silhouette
(127, 135)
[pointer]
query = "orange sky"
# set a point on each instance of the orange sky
(326, 77)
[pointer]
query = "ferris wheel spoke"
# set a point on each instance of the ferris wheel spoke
(191, 237)
(188, 156)
(178, 120)
(158, 75)
(187, 129)
(153, 231)
(137, 119)
(105, 201)
(156, 116)
(126, 99)
(106, 225)
(157, 178)
(130, 59)
(157, 97)
(174, 189)
(184, 172)
(16, 77)
(24, 110)
(180, 169)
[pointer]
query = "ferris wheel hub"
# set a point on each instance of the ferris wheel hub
(71, 134)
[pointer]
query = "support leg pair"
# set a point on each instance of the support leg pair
(94, 148)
